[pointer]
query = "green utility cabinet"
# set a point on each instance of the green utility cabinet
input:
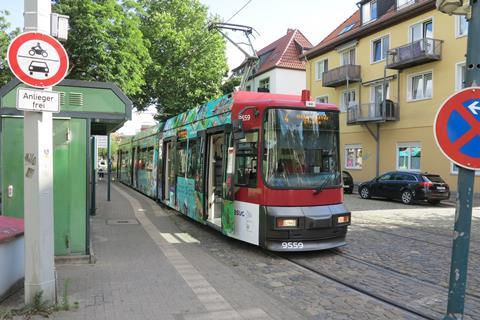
(87, 108)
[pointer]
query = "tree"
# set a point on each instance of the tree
(229, 85)
(105, 43)
(5, 38)
(188, 61)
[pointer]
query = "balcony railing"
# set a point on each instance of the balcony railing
(373, 112)
(415, 53)
(341, 75)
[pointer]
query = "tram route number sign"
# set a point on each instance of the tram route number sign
(457, 128)
(38, 100)
(37, 59)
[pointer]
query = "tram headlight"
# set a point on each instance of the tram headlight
(343, 219)
(287, 222)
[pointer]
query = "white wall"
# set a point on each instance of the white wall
(12, 260)
(282, 81)
(290, 81)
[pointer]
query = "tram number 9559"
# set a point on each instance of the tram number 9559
(292, 245)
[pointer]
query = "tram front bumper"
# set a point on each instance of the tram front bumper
(318, 227)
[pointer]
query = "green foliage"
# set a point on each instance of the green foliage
(105, 43)
(5, 38)
(188, 61)
(40, 307)
(229, 85)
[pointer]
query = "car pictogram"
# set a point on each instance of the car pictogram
(38, 66)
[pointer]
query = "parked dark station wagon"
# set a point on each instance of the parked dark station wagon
(407, 187)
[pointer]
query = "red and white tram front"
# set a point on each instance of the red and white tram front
(298, 184)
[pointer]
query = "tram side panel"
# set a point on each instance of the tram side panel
(146, 167)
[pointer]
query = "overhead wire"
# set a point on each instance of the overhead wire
(239, 10)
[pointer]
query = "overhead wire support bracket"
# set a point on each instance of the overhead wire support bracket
(251, 59)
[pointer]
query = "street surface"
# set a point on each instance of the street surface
(395, 266)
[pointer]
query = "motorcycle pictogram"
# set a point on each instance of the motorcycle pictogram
(38, 50)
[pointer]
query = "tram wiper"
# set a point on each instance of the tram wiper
(320, 188)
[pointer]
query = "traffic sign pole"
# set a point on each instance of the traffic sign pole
(38, 181)
(463, 214)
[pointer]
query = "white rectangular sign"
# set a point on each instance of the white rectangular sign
(38, 100)
(102, 141)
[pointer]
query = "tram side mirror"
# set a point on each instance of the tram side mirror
(237, 129)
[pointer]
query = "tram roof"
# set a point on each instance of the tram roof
(225, 103)
(147, 132)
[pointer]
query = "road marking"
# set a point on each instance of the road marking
(169, 237)
(186, 238)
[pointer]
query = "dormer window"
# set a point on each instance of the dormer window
(369, 11)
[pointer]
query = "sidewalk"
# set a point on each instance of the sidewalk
(140, 275)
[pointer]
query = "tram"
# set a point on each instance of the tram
(259, 167)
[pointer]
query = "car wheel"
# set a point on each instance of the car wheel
(364, 193)
(407, 197)
(434, 201)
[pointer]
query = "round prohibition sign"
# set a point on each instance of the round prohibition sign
(457, 128)
(37, 59)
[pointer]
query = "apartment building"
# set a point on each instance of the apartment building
(389, 67)
(281, 67)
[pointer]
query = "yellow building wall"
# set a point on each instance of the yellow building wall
(416, 117)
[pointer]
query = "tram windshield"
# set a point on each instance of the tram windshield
(300, 149)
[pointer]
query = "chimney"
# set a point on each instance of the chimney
(290, 30)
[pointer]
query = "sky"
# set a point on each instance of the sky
(270, 18)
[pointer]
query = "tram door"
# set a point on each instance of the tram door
(215, 166)
(169, 172)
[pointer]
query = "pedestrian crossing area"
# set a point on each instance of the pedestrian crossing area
(175, 238)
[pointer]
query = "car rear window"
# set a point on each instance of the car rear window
(433, 178)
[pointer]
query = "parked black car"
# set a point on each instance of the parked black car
(347, 182)
(407, 187)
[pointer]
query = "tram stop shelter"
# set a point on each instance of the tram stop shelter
(86, 109)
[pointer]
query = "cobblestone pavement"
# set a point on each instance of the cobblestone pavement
(395, 253)
(400, 253)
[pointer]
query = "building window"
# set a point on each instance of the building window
(409, 156)
(353, 156)
(348, 97)
(264, 83)
(369, 11)
(422, 30)
(248, 88)
(460, 76)
(322, 99)
(347, 28)
(454, 169)
(420, 86)
(347, 57)
(322, 66)
(380, 49)
(404, 3)
(461, 26)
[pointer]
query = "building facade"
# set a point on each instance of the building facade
(389, 67)
(281, 68)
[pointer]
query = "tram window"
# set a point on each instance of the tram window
(182, 159)
(246, 160)
(194, 163)
(149, 159)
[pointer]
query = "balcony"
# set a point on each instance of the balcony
(372, 112)
(415, 53)
(340, 76)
